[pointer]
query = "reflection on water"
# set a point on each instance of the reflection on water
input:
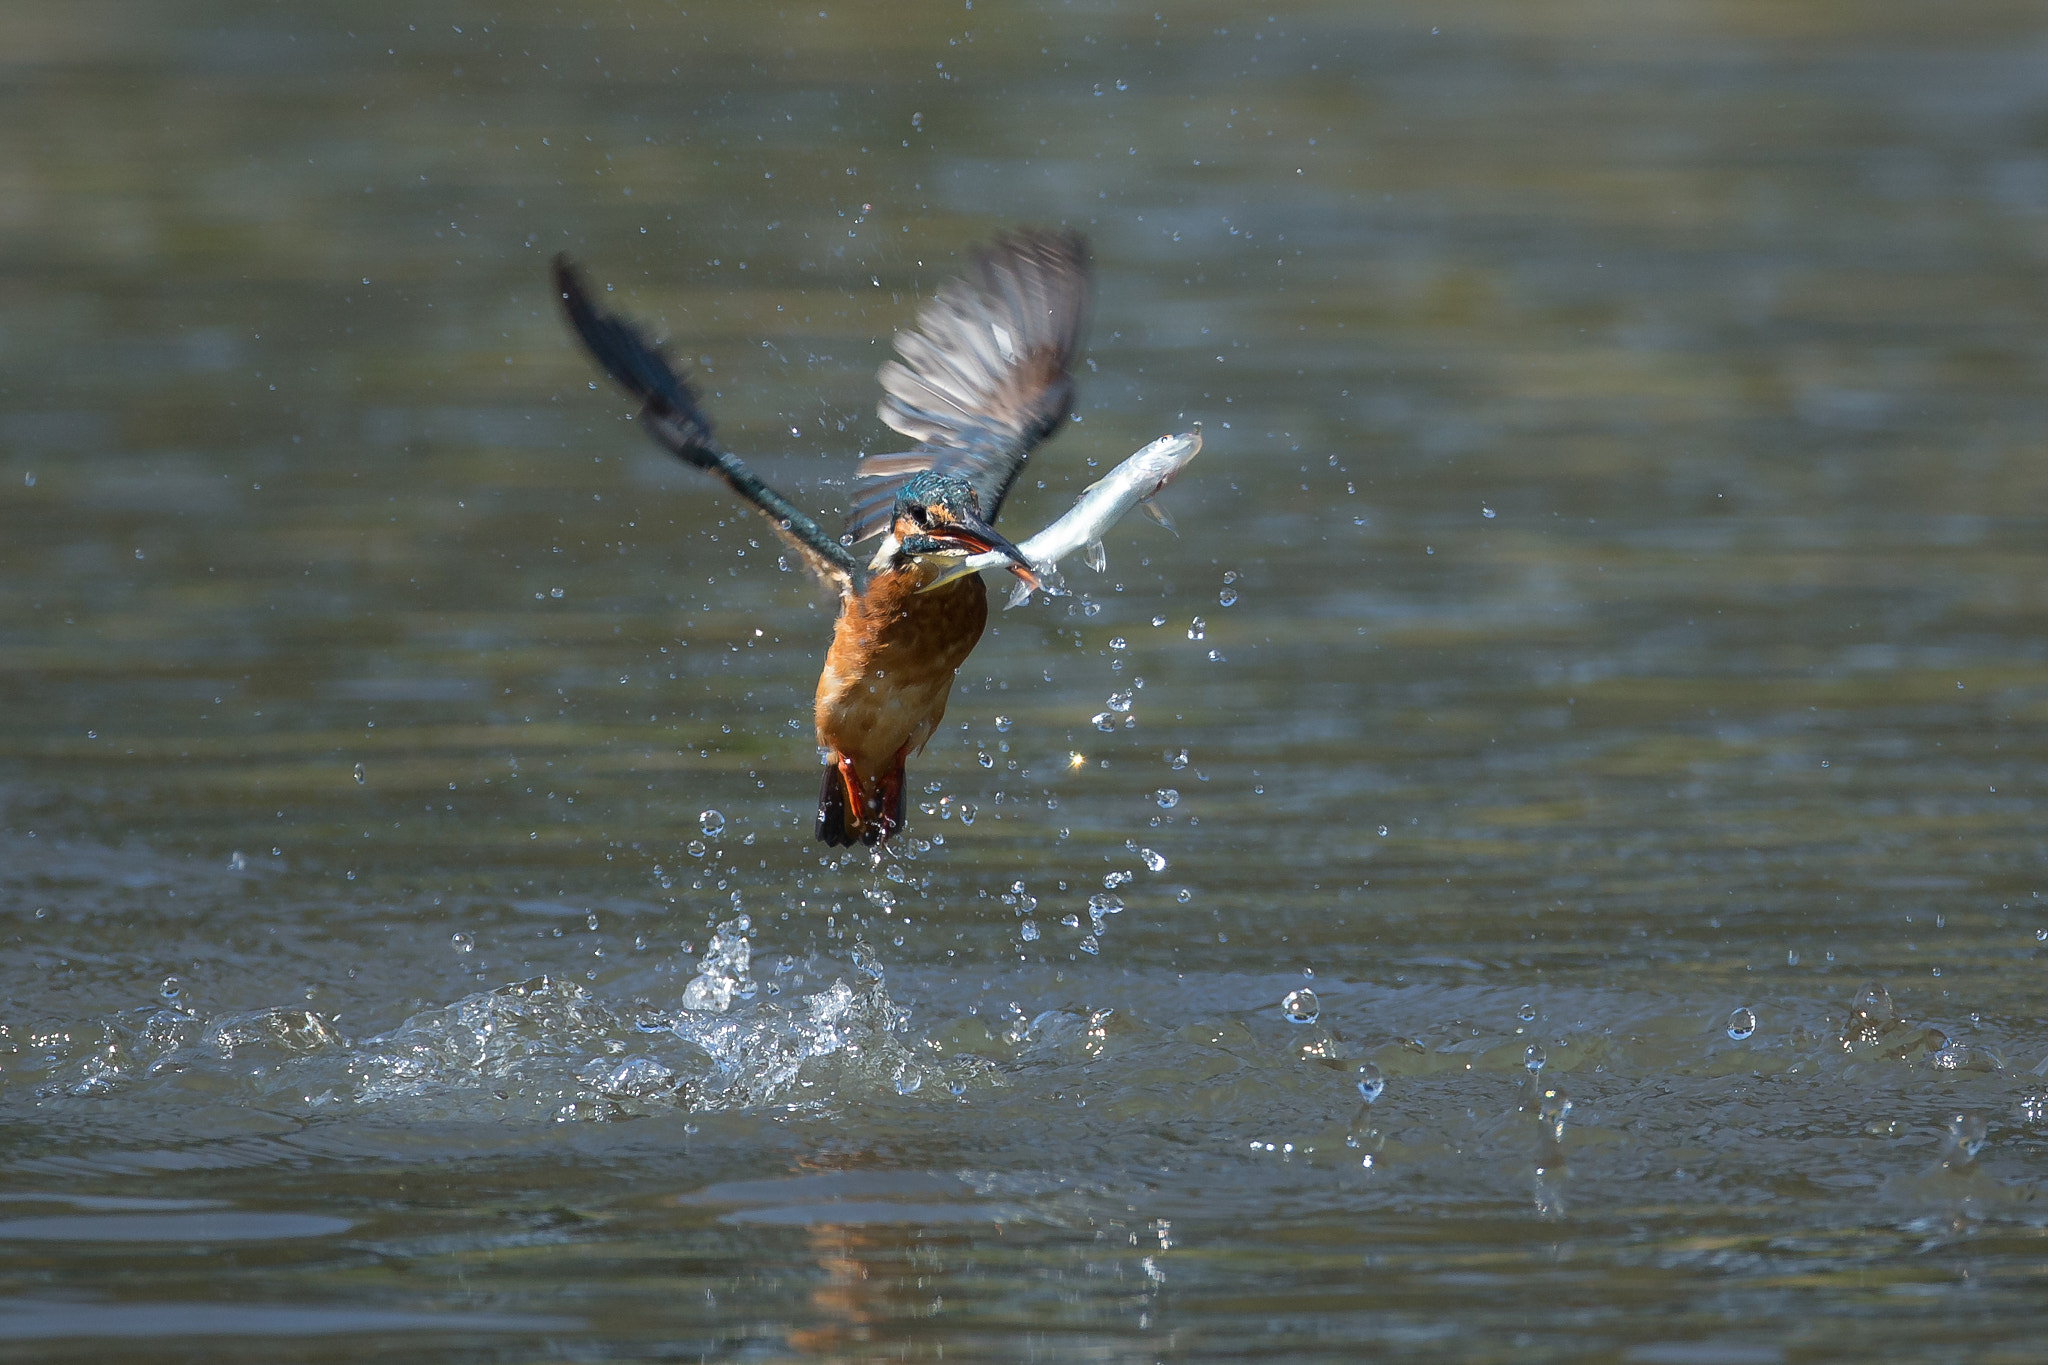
(1545, 860)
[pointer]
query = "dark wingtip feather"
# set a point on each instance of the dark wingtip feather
(625, 354)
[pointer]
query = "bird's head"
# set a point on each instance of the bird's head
(939, 516)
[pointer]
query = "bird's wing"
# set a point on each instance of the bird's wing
(674, 418)
(986, 375)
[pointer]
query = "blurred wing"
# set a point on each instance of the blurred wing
(986, 376)
(672, 416)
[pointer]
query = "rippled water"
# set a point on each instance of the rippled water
(1544, 864)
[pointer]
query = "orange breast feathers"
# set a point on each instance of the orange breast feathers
(890, 669)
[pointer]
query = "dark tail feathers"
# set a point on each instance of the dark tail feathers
(833, 827)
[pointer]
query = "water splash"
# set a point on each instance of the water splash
(1874, 1025)
(1968, 1131)
(724, 970)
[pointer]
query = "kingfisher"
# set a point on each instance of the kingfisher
(984, 378)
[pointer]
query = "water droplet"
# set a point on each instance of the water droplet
(1527, 1014)
(1158, 621)
(909, 1079)
(1071, 921)
(1167, 798)
(696, 848)
(1383, 831)
(1104, 905)
(1184, 895)
(1090, 607)
(967, 812)
(554, 592)
(1118, 642)
(1104, 720)
(462, 943)
(1486, 512)
(1741, 1023)
(1227, 598)
(1371, 1084)
(1120, 701)
(1090, 945)
(238, 861)
(1154, 862)
(1197, 630)
(1177, 760)
(171, 989)
(1533, 1058)
(1554, 1107)
(1301, 1007)
(590, 921)
(1003, 724)
(985, 759)
(361, 776)
(958, 1088)
(712, 823)
(1113, 880)
(1875, 1001)
(1030, 931)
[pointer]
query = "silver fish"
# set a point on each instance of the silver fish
(1101, 505)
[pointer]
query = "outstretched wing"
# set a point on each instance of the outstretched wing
(986, 376)
(674, 418)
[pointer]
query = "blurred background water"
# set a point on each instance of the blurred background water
(1545, 863)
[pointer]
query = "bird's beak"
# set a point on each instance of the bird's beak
(978, 537)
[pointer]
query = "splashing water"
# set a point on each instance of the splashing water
(1103, 905)
(723, 971)
(1967, 1133)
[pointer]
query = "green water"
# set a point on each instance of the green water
(1625, 434)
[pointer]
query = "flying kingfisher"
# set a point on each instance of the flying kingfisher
(982, 381)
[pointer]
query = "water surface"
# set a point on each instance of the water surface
(1594, 704)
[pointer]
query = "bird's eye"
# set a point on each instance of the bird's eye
(920, 516)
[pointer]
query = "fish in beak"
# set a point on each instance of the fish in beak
(975, 536)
